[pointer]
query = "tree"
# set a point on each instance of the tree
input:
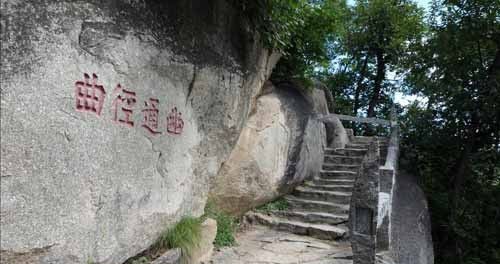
(312, 25)
(455, 138)
(378, 34)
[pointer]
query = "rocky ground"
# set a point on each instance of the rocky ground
(260, 244)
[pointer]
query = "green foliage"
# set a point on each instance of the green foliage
(453, 141)
(142, 260)
(376, 38)
(431, 152)
(299, 29)
(308, 31)
(279, 204)
(226, 226)
(186, 235)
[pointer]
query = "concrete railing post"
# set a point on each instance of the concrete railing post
(386, 185)
(364, 208)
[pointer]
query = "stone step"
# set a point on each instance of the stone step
(330, 187)
(299, 204)
(364, 139)
(327, 174)
(346, 152)
(356, 146)
(312, 217)
(321, 195)
(361, 139)
(337, 159)
(333, 151)
(340, 167)
(321, 231)
(320, 181)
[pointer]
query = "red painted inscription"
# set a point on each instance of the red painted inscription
(150, 114)
(123, 105)
(175, 124)
(89, 95)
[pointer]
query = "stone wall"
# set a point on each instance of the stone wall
(116, 117)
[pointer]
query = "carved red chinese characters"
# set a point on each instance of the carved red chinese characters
(123, 106)
(150, 114)
(175, 124)
(89, 95)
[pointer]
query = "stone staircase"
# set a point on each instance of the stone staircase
(320, 207)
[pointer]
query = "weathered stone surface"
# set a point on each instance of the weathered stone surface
(336, 133)
(318, 99)
(321, 231)
(384, 257)
(328, 96)
(172, 256)
(78, 186)
(280, 146)
(262, 245)
(253, 172)
(384, 208)
(203, 252)
(310, 158)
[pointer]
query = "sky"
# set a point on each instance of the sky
(422, 3)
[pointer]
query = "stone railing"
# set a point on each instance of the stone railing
(391, 161)
(369, 120)
(386, 186)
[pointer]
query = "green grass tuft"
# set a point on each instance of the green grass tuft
(226, 226)
(186, 234)
(279, 204)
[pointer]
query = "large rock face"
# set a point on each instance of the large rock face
(116, 116)
(281, 145)
(411, 239)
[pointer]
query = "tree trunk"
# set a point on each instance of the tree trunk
(357, 92)
(379, 78)
(458, 176)
(359, 86)
(494, 70)
(494, 92)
